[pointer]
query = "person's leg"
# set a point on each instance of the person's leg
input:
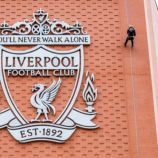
(132, 41)
(126, 41)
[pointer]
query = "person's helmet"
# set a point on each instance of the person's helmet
(130, 26)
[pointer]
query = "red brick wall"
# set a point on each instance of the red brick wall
(143, 141)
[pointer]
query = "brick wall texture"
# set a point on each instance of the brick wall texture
(122, 77)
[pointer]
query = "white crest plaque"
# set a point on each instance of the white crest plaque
(46, 62)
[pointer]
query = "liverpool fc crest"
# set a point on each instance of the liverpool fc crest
(41, 84)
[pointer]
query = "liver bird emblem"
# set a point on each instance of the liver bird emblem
(42, 98)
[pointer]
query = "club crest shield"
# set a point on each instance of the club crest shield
(51, 79)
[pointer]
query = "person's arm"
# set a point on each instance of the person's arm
(127, 31)
(134, 32)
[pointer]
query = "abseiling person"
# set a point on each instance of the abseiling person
(131, 33)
